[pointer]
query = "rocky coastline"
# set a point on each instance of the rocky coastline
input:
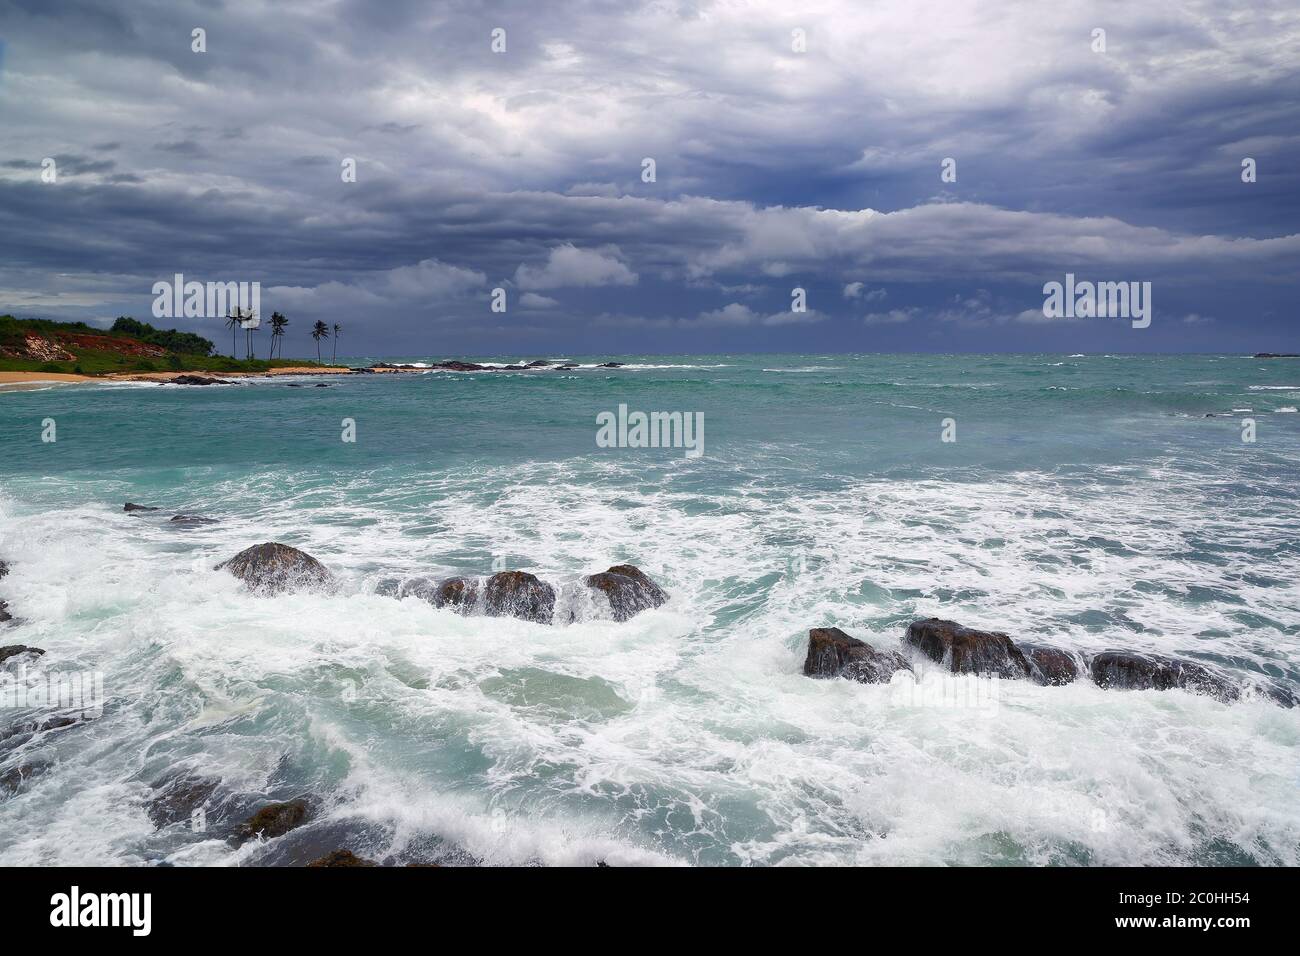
(622, 591)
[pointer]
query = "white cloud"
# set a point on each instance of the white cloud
(892, 317)
(737, 314)
(567, 265)
(531, 300)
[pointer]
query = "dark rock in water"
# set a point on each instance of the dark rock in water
(4, 568)
(293, 385)
(457, 366)
(1277, 694)
(832, 653)
(459, 593)
(1127, 671)
(274, 568)
(455, 592)
(511, 368)
(177, 798)
(519, 594)
(966, 650)
(13, 650)
(323, 385)
(610, 365)
(565, 367)
(193, 519)
(539, 363)
(1051, 665)
(4, 613)
(629, 590)
(131, 506)
(341, 858)
(12, 780)
(197, 380)
(273, 820)
(1277, 355)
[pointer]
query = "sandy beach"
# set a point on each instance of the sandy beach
(17, 380)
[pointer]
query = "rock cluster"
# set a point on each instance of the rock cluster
(964, 650)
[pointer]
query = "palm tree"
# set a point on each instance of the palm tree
(232, 323)
(337, 329)
(278, 322)
(319, 331)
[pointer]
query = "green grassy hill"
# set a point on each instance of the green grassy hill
(42, 345)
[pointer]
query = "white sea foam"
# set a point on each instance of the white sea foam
(687, 734)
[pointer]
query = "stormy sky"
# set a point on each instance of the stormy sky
(775, 168)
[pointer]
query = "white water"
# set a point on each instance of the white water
(687, 734)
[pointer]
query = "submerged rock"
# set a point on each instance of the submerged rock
(273, 820)
(274, 568)
(459, 593)
(342, 858)
(14, 650)
(610, 365)
(4, 568)
(197, 380)
(1128, 671)
(1051, 665)
(967, 651)
(456, 592)
(4, 613)
(629, 590)
(132, 506)
(519, 594)
(12, 780)
(192, 519)
(178, 797)
(457, 366)
(832, 653)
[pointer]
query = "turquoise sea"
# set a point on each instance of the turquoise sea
(1092, 502)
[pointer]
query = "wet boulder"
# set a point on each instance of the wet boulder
(1276, 693)
(341, 858)
(832, 653)
(4, 568)
(965, 650)
(13, 779)
(458, 593)
(197, 380)
(629, 590)
(132, 506)
(4, 613)
(1051, 665)
(273, 820)
(176, 798)
(273, 568)
(1123, 670)
(192, 520)
(519, 594)
(14, 650)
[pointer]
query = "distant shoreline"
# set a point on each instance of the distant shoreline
(20, 378)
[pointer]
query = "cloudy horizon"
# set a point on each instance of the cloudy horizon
(791, 150)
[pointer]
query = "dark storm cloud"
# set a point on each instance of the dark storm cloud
(774, 168)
